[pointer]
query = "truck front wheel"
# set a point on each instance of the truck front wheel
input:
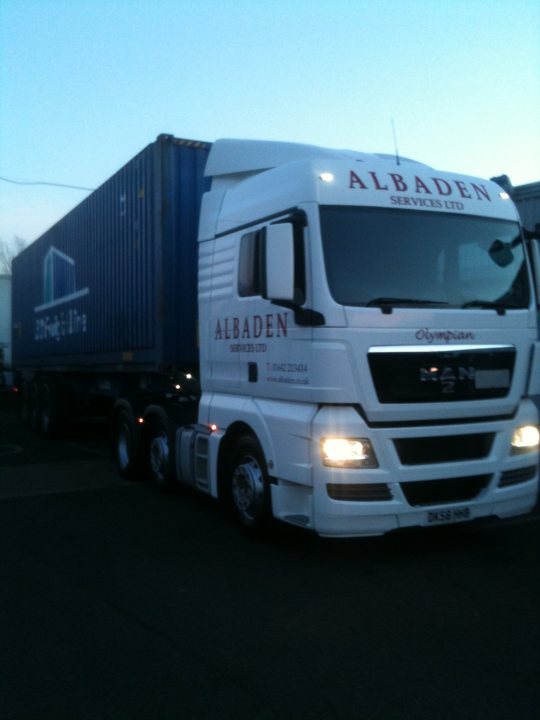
(250, 487)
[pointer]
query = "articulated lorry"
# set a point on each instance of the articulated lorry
(347, 342)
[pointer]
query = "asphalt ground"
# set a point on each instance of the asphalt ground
(120, 603)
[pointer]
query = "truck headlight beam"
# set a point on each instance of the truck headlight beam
(348, 453)
(525, 438)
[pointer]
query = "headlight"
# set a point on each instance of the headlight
(348, 453)
(525, 438)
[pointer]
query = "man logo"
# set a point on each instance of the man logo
(447, 377)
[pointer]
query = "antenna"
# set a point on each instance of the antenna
(396, 151)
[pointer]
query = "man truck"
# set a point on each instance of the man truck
(344, 341)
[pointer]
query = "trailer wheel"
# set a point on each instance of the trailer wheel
(46, 410)
(49, 410)
(33, 406)
(24, 406)
(160, 458)
(249, 485)
(125, 445)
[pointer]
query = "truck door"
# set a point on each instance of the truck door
(271, 288)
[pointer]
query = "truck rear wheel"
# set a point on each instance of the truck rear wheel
(249, 485)
(125, 443)
(160, 457)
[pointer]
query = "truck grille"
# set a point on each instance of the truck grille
(365, 492)
(435, 492)
(442, 449)
(427, 376)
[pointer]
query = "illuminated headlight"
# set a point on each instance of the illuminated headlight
(525, 438)
(348, 453)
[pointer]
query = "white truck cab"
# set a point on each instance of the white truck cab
(368, 341)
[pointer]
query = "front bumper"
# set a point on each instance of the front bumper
(404, 490)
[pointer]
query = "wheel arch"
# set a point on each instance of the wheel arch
(153, 414)
(119, 405)
(235, 432)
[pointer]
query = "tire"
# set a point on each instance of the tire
(49, 420)
(25, 411)
(125, 444)
(33, 407)
(160, 457)
(46, 411)
(250, 486)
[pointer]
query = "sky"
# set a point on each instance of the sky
(86, 84)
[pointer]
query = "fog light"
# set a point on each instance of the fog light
(525, 438)
(348, 453)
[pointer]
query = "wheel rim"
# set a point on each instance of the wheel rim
(159, 457)
(123, 446)
(248, 489)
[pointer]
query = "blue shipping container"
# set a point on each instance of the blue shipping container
(114, 283)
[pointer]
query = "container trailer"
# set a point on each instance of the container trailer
(344, 341)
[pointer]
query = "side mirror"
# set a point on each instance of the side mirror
(501, 253)
(279, 262)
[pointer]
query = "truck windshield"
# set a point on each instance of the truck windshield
(378, 257)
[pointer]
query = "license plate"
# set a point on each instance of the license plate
(449, 515)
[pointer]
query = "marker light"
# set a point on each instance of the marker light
(348, 453)
(504, 195)
(327, 177)
(525, 438)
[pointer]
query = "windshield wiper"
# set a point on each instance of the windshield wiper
(388, 303)
(486, 304)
